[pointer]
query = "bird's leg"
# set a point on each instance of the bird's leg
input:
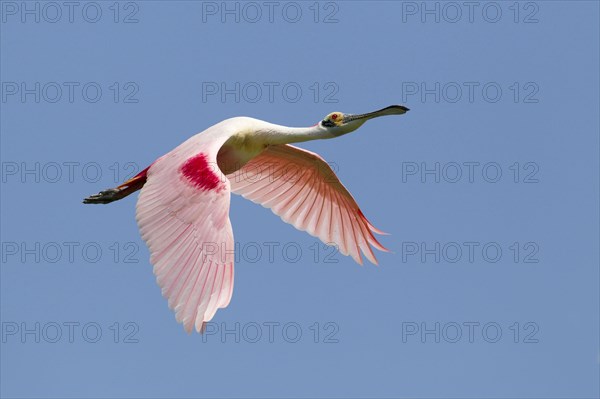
(114, 194)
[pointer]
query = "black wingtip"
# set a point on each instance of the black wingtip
(105, 197)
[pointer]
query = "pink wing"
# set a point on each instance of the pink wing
(183, 215)
(301, 188)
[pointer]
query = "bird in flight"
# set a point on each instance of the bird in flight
(183, 207)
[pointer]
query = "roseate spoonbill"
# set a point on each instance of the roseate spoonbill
(183, 208)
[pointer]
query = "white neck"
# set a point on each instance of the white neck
(276, 134)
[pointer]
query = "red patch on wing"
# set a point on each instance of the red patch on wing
(200, 173)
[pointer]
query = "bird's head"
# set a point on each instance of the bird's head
(340, 123)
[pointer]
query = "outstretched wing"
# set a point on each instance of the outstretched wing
(183, 215)
(301, 188)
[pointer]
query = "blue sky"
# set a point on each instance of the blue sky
(488, 187)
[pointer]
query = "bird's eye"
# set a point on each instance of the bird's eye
(334, 116)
